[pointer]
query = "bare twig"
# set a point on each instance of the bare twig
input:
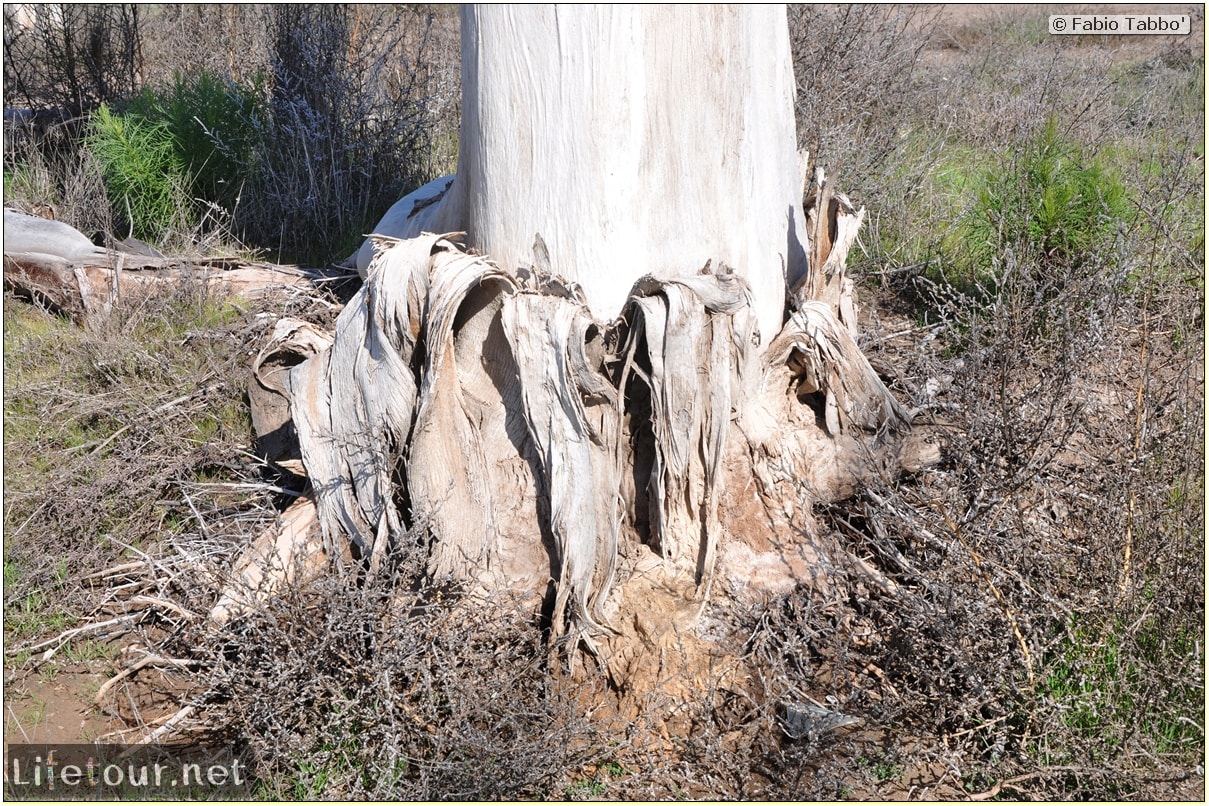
(163, 730)
(66, 636)
(1010, 783)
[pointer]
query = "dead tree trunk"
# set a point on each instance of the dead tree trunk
(646, 379)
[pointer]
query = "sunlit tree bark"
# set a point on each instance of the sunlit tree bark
(644, 377)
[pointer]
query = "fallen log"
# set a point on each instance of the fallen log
(57, 266)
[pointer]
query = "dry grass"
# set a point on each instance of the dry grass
(127, 429)
(1049, 626)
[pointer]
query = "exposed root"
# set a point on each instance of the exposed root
(148, 659)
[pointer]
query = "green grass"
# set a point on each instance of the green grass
(1046, 201)
(95, 444)
(90, 651)
(1100, 682)
(34, 614)
(36, 714)
(29, 181)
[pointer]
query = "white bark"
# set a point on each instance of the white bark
(635, 140)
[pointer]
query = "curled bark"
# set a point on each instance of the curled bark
(548, 452)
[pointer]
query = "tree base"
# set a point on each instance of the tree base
(612, 472)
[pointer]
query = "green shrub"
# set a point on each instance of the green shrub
(1046, 203)
(168, 153)
(145, 179)
(214, 132)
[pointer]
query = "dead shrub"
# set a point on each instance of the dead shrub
(350, 94)
(855, 70)
(394, 690)
(71, 57)
(120, 434)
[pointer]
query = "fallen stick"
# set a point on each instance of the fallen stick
(117, 570)
(163, 604)
(67, 635)
(141, 663)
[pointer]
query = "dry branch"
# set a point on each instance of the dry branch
(167, 728)
(142, 663)
(121, 625)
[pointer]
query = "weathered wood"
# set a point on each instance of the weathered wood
(44, 236)
(288, 553)
(58, 266)
(833, 223)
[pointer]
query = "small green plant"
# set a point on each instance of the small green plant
(88, 651)
(586, 788)
(598, 784)
(216, 126)
(1048, 203)
(883, 768)
(613, 769)
(37, 711)
(145, 179)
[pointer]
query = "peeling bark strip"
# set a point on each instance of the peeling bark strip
(353, 403)
(574, 420)
(828, 361)
(698, 334)
(465, 472)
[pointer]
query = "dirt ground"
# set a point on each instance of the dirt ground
(56, 708)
